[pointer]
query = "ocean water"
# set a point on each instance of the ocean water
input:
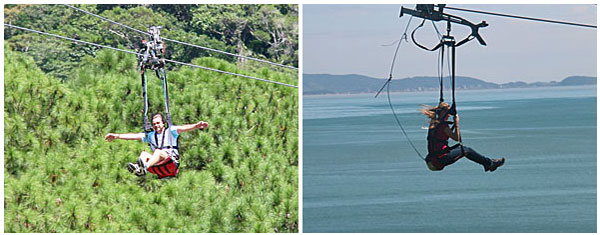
(361, 175)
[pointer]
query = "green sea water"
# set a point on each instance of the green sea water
(360, 173)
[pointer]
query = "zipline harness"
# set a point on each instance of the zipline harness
(429, 12)
(151, 57)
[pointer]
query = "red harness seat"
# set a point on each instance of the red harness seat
(165, 168)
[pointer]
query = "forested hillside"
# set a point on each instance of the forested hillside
(60, 100)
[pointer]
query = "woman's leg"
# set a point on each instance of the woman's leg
(451, 157)
(472, 155)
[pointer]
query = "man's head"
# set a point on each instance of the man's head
(158, 122)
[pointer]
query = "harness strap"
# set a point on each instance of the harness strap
(431, 139)
(152, 56)
(164, 147)
(161, 146)
(446, 150)
(169, 147)
(412, 35)
(166, 93)
(147, 126)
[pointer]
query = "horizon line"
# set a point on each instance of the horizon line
(449, 77)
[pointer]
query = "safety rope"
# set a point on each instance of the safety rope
(135, 53)
(398, 47)
(395, 54)
(184, 43)
(387, 84)
(400, 124)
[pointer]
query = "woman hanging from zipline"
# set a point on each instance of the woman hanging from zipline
(440, 154)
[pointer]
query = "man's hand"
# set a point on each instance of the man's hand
(456, 118)
(202, 125)
(111, 136)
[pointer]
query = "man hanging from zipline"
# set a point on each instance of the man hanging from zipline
(164, 161)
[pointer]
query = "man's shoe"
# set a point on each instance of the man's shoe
(131, 167)
(136, 169)
(140, 163)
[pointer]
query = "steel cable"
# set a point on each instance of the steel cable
(184, 43)
(135, 53)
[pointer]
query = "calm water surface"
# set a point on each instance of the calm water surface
(361, 175)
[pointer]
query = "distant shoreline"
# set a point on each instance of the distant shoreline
(321, 84)
(384, 92)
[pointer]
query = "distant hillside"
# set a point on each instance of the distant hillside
(314, 84)
(578, 80)
(331, 84)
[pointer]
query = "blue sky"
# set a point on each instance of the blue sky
(349, 39)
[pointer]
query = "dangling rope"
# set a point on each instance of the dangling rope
(387, 83)
(395, 54)
(400, 124)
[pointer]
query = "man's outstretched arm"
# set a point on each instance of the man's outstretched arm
(128, 136)
(189, 127)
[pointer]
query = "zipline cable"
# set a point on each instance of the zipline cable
(70, 39)
(230, 73)
(231, 54)
(135, 53)
(184, 43)
(522, 17)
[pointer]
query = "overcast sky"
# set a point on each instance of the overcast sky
(349, 39)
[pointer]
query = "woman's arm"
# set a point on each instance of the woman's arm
(128, 136)
(189, 127)
(456, 134)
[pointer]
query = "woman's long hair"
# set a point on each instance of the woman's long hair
(434, 112)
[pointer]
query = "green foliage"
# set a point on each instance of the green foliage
(239, 175)
(269, 31)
